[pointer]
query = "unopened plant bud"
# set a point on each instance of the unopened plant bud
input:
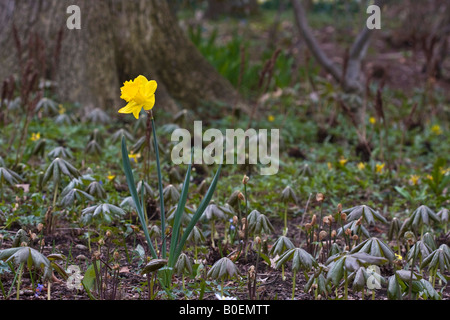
(241, 196)
(322, 235)
(245, 179)
(251, 272)
(319, 197)
(355, 237)
(359, 221)
(116, 255)
(235, 220)
(40, 226)
(108, 233)
(244, 224)
(313, 220)
(101, 242)
(339, 208)
(333, 233)
(344, 216)
(308, 226)
(258, 240)
(348, 232)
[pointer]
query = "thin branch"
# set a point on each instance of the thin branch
(349, 79)
(319, 54)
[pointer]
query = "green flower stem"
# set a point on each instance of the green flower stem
(256, 268)
(55, 196)
(433, 274)
(345, 285)
(246, 200)
(285, 221)
(293, 284)
(19, 280)
(2, 288)
(213, 231)
(160, 186)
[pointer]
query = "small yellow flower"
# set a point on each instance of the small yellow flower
(139, 93)
(445, 171)
(61, 110)
(379, 167)
(271, 118)
(372, 120)
(343, 161)
(134, 156)
(429, 177)
(436, 129)
(110, 177)
(398, 257)
(330, 166)
(361, 166)
(35, 136)
(414, 179)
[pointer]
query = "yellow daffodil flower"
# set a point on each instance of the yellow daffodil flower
(139, 93)
(343, 161)
(379, 167)
(35, 136)
(414, 179)
(361, 166)
(436, 129)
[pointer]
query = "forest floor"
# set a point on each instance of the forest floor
(390, 60)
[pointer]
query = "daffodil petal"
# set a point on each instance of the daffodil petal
(129, 108)
(136, 112)
(150, 103)
(150, 87)
(141, 80)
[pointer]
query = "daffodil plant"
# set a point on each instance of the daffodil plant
(140, 94)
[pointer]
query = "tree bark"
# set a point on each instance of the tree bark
(118, 41)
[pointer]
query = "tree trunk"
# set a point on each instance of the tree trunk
(118, 41)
